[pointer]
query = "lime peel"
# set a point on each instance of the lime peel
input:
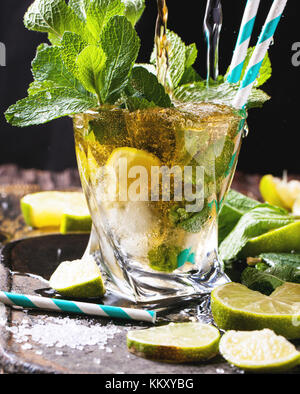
(175, 342)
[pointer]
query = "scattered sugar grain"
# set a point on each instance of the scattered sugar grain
(61, 332)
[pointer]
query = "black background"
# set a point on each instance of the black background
(272, 144)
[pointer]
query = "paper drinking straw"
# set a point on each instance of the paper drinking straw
(243, 41)
(83, 308)
(259, 53)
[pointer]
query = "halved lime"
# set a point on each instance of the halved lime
(175, 342)
(281, 240)
(54, 209)
(259, 351)
(235, 307)
(78, 278)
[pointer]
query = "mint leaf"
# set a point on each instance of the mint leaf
(134, 10)
(71, 46)
(90, 63)
(223, 93)
(279, 268)
(48, 66)
(145, 85)
(80, 7)
(190, 75)
(258, 221)
(149, 67)
(191, 53)
(234, 207)
(192, 222)
(100, 12)
(261, 281)
(278, 259)
(47, 105)
(164, 258)
(257, 98)
(138, 103)
(120, 44)
(53, 17)
(38, 86)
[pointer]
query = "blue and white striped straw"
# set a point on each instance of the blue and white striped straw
(83, 308)
(243, 41)
(262, 46)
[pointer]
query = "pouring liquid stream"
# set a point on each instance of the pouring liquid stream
(162, 46)
(212, 26)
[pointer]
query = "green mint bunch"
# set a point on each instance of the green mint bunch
(94, 47)
(90, 61)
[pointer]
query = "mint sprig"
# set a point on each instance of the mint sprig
(94, 48)
(91, 62)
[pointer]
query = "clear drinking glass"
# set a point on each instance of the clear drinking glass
(155, 180)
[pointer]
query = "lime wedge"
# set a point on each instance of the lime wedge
(279, 192)
(67, 210)
(78, 278)
(77, 220)
(259, 351)
(235, 307)
(175, 342)
(281, 240)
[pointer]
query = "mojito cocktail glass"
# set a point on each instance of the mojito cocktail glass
(155, 180)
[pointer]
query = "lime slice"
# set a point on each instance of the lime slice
(279, 192)
(175, 342)
(259, 351)
(133, 158)
(54, 209)
(78, 278)
(284, 239)
(235, 307)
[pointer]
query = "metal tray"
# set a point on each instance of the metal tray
(24, 263)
